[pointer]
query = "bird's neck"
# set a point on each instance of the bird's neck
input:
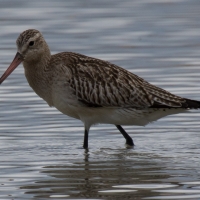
(38, 75)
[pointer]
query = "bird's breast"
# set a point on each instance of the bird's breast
(41, 84)
(64, 99)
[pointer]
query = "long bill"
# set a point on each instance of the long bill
(16, 61)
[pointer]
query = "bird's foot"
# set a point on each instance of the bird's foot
(129, 143)
(85, 145)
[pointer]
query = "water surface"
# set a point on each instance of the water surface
(40, 149)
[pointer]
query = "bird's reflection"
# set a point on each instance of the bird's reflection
(86, 154)
(87, 178)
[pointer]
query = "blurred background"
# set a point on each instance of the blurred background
(41, 155)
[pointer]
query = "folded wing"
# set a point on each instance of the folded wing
(98, 83)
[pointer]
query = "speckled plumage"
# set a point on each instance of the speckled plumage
(93, 90)
(100, 83)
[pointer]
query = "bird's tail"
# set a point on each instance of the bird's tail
(191, 104)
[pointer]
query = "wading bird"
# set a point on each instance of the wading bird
(92, 90)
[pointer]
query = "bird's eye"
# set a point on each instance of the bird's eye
(31, 43)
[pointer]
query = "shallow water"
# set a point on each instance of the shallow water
(40, 149)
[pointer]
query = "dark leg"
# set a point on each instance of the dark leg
(129, 140)
(85, 143)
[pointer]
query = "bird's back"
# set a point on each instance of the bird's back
(98, 83)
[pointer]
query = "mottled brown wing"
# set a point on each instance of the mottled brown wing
(100, 83)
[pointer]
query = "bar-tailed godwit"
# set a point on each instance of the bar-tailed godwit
(92, 90)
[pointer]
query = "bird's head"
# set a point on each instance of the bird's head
(31, 46)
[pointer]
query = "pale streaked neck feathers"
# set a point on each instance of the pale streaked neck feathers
(36, 62)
